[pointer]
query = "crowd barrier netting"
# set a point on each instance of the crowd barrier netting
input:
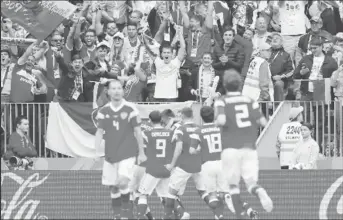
(80, 195)
(328, 121)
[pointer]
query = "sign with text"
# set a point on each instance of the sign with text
(40, 18)
(80, 195)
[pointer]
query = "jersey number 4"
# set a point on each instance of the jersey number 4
(214, 143)
(161, 148)
(242, 116)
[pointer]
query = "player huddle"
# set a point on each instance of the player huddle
(170, 152)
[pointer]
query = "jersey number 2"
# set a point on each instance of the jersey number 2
(161, 147)
(214, 143)
(242, 114)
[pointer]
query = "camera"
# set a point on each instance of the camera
(21, 162)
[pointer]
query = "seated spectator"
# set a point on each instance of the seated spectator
(338, 48)
(258, 84)
(20, 144)
(281, 67)
(230, 54)
(306, 152)
(202, 84)
(314, 67)
(261, 36)
(315, 32)
(6, 74)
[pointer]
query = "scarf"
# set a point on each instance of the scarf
(204, 88)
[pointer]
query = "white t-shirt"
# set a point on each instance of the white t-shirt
(293, 18)
(166, 78)
(316, 67)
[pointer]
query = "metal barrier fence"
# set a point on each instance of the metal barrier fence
(328, 121)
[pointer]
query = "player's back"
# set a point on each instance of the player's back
(118, 124)
(210, 142)
(188, 162)
(241, 127)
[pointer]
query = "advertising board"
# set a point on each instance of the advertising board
(80, 195)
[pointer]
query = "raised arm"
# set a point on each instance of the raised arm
(209, 16)
(182, 50)
(184, 14)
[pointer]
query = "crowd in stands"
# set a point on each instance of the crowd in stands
(168, 51)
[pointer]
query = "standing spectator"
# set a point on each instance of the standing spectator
(167, 71)
(293, 24)
(7, 30)
(261, 35)
(116, 51)
(246, 43)
(337, 84)
(6, 74)
(201, 83)
(315, 32)
(306, 153)
(281, 67)
(258, 84)
(338, 48)
(230, 55)
(327, 14)
(131, 45)
(313, 67)
(71, 85)
(289, 136)
(199, 33)
(87, 49)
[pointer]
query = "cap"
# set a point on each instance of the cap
(295, 111)
(264, 46)
(339, 36)
(119, 34)
(103, 43)
(316, 19)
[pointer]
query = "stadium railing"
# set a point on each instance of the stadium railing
(327, 118)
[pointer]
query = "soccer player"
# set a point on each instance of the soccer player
(159, 151)
(187, 165)
(169, 119)
(207, 141)
(119, 125)
(239, 118)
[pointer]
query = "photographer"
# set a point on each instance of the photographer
(20, 148)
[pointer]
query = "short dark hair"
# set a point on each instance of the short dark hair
(155, 117)
(90, 30)
(316, 41)
(232, 80)
(229, 28)
(198, 18)
(187, 112)
(308, 125)
(168, 113)
(108, 83)
(207, 53)
(19, 120)
(131, 23)
(76, 57)
(207, 114)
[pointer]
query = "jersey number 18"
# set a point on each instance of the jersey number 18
(214, 143)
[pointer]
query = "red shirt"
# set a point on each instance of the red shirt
(118, 124)
(188, 162)
(210, 141)
(241, 127)
(159, 148)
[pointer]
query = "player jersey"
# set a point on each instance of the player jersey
(159, 149)
(241, 127)
(188, 162)
(209, 139)
(118, 124)
(145, 126)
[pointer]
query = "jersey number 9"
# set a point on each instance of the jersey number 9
(161, 148)
(214, 143)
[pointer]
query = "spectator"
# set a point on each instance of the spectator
(20, 144)
(306, 153)
(327, 14)
(293, 24)
(167, 71)
(6, 74)
(116, 51)
(315, 32)
(314, 67)
(199, 33)
(338, 48)
(289, 136)
(337, 83)
(261, 35)
(87, 50)
(7, 30)
(259, 85)
(281, 67)
(131, 45)
(202, 85)
(230, 54)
